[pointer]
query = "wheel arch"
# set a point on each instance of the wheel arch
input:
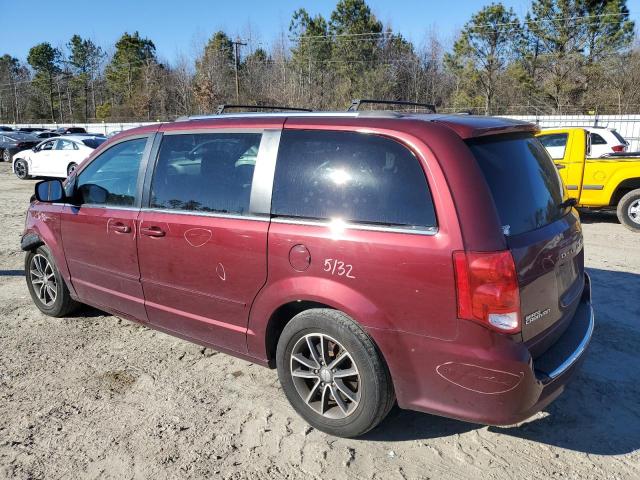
(623, 188)
(30, 242)
(272, 310)
(279, 319)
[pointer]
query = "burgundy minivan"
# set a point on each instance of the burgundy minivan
(372, 257)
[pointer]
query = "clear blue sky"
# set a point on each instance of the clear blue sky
(182, 26)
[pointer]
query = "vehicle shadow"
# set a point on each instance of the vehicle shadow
(599, 412)
(589, 217)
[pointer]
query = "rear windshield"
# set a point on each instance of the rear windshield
(619, 137)
(525, 184)
(94, 142)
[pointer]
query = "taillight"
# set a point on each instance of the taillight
(487, 289)
(619, 148)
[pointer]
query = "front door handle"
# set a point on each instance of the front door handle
(560, 166)
(152, 231)
(120, 228)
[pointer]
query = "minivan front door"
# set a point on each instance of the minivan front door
(99, 230)
(202, 253)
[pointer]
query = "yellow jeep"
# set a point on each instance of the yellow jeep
(612, 181)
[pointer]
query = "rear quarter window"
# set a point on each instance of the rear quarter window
(354, 177)
(525, 184)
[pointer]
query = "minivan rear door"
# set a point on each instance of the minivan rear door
(543, 234)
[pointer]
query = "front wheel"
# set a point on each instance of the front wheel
(6, 156)
(333, 374)
(46, 286)
(21, 170)
(629, 210)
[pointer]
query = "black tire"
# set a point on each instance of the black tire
(71, 167)
(629, 210)
(6, 156)
(372, 381)
(62, 304)
(21, 170)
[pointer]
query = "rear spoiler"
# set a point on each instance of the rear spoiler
(471, 126)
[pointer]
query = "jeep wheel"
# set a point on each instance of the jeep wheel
(46, 286)
(333, 374)
(629, 210)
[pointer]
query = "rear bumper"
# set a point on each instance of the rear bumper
(484, 377)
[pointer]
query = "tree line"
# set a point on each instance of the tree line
(564, 56)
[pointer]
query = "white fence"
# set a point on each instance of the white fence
(627, 125)
(103, 128)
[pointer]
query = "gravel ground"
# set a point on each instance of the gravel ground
(96, 396)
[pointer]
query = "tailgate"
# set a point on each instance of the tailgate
(550, 265)
(542, 232)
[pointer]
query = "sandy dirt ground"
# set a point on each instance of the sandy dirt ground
(94, 396)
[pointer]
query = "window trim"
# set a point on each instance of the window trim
(141, 169)
(368, 226)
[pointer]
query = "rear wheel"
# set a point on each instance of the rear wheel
(6, 156)
(333, 374)
(72, 166)
(629, 210)
(46, 287)
(21, 170)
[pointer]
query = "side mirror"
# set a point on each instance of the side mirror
(49, 191)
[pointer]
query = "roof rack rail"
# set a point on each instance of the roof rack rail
(355, 104)
(224, 106)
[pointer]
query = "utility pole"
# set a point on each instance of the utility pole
(237, 44)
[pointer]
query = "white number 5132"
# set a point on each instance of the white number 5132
(337, 267)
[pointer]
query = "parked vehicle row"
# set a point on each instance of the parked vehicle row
(371, 257)
(608, 181)
(56, 157)
(13, 141)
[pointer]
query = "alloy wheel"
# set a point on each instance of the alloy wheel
(325, 376)
(20, 169)
(43, 279)
(634, 211)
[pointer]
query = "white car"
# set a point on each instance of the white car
(603, 141)
(55, 157)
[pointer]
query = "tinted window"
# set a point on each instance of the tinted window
(111, 178)
(209, 172)
(597, 139)
(94, 142)
(351, 176)
(524, 182)
(65, 145)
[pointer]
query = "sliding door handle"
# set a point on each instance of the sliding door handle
(152, 231)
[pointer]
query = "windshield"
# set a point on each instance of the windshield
(94, 142)
(619, 137)
(525, 184)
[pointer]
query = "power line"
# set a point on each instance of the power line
(488, 25)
